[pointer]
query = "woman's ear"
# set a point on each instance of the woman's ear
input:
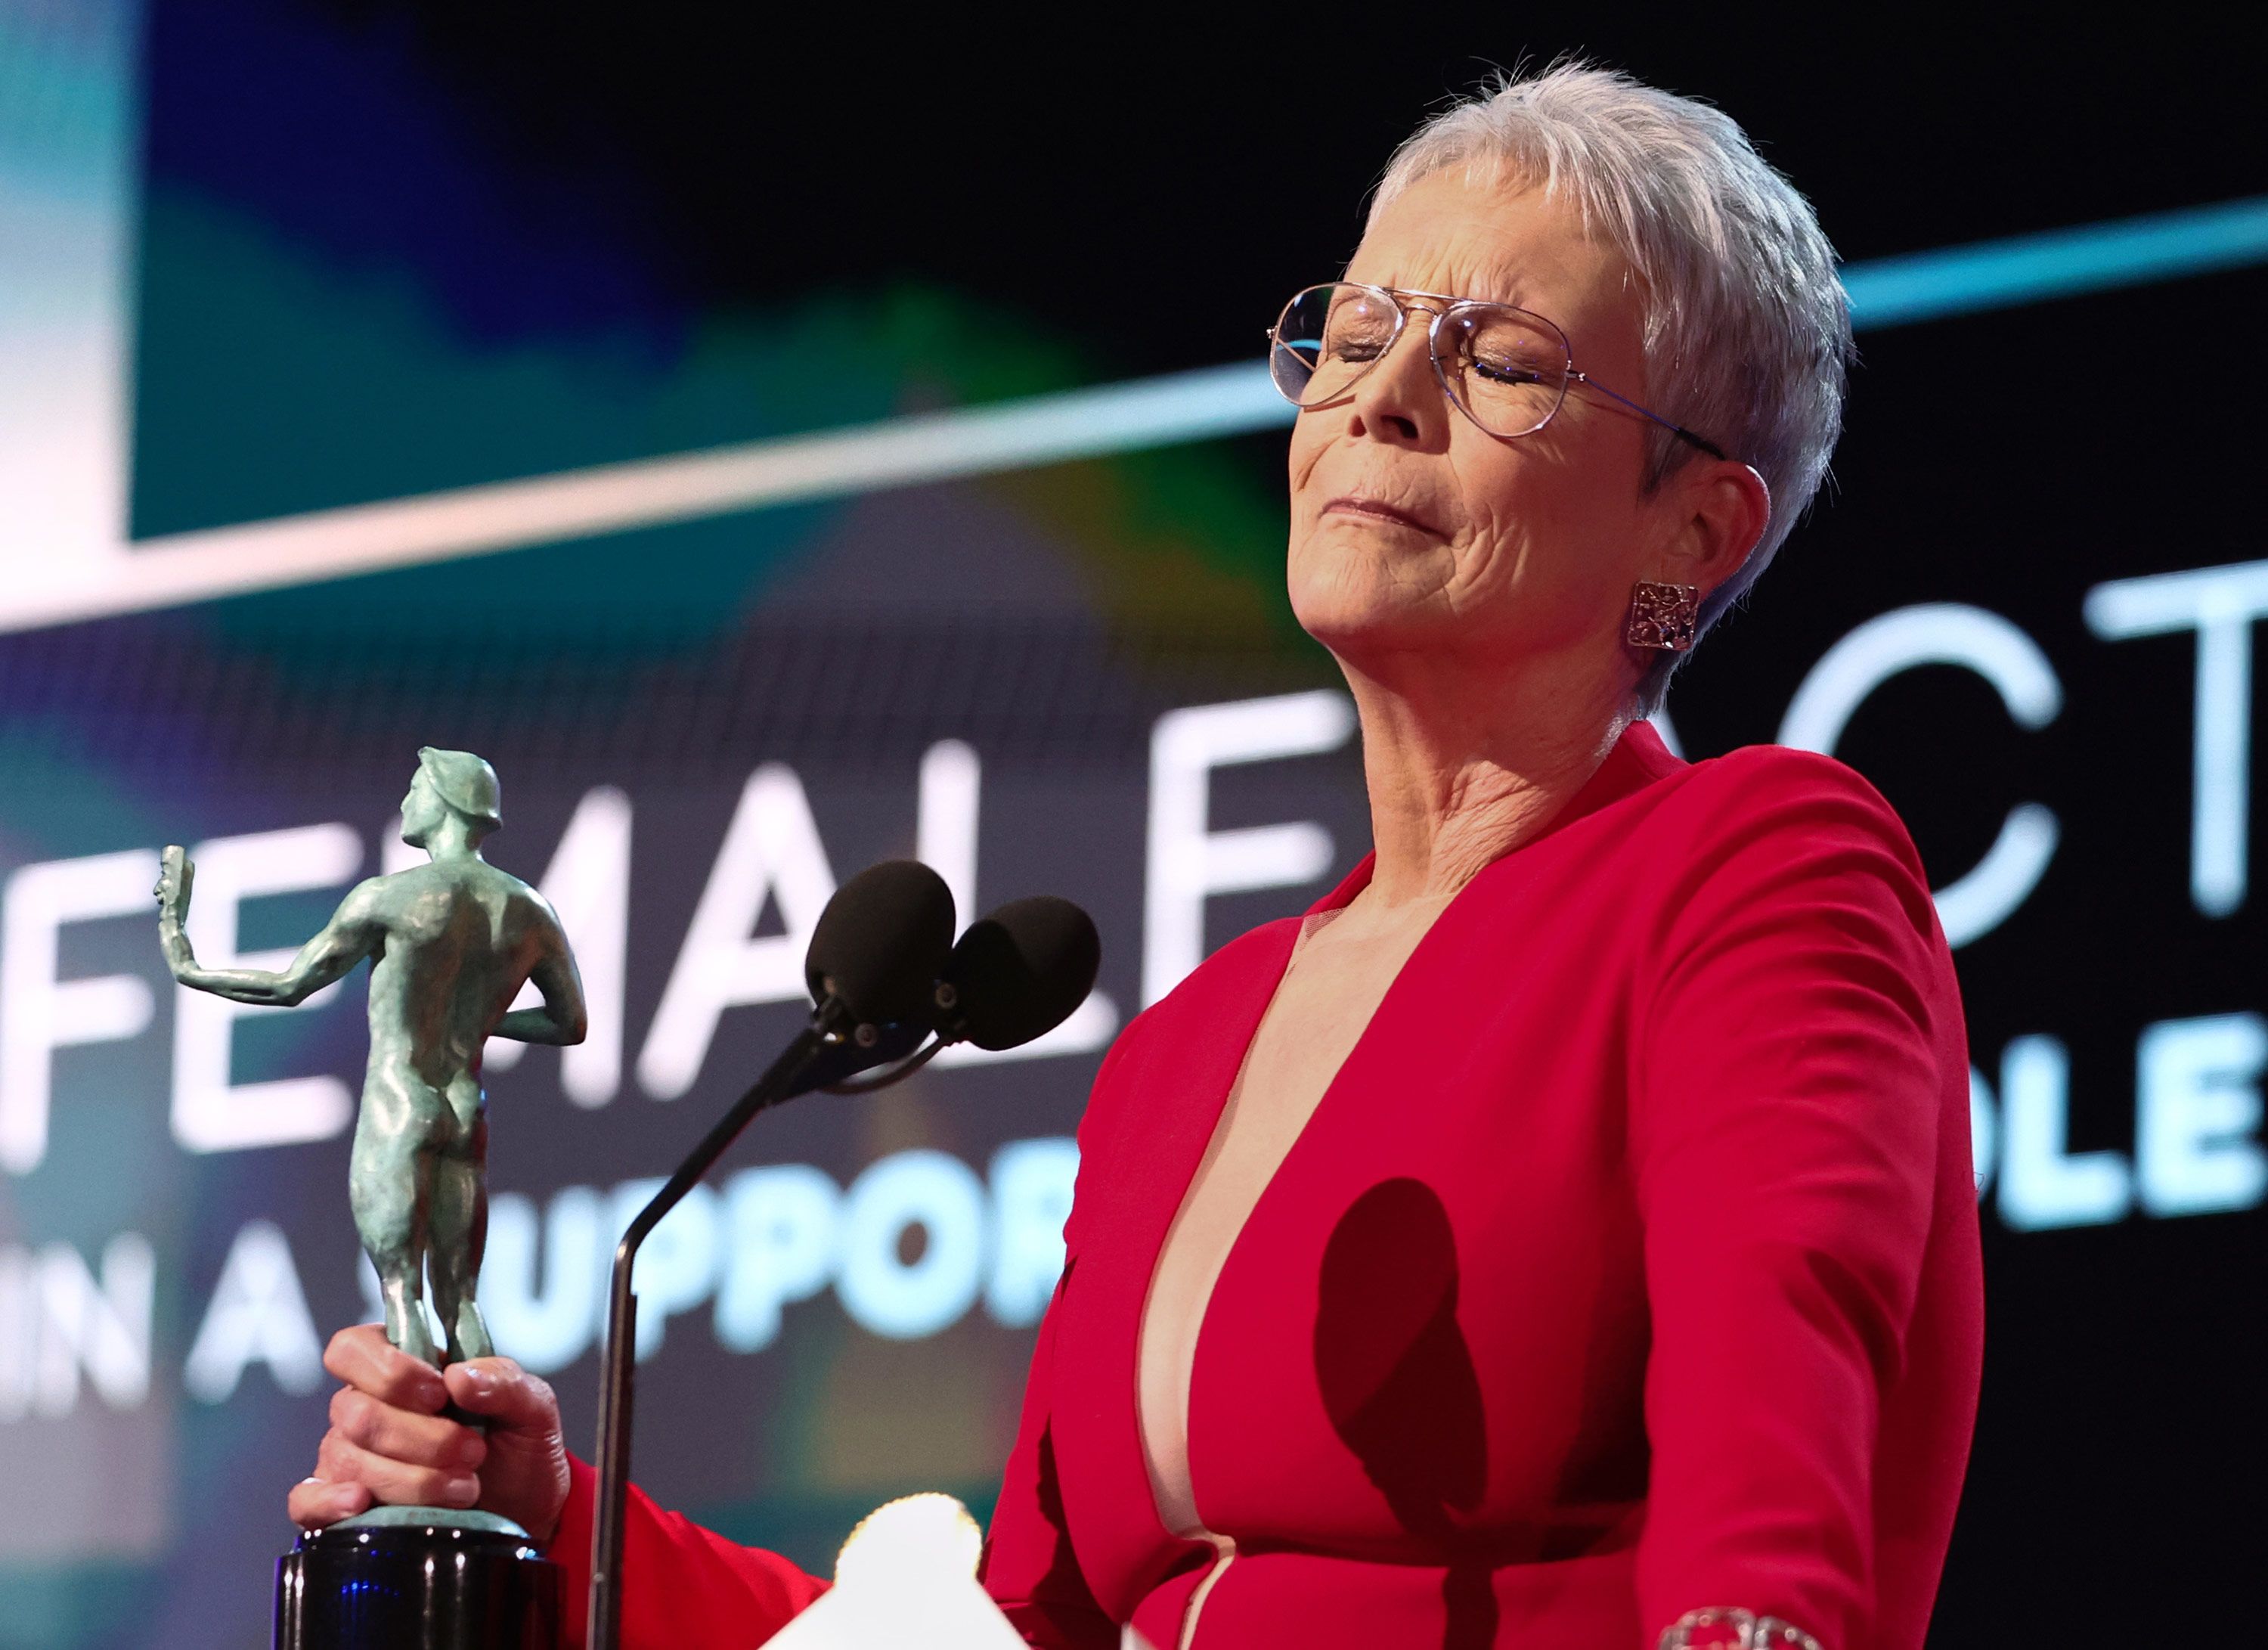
(1722, 508)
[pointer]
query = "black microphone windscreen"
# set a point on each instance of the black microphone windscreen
(882, 941)
(1019, 973)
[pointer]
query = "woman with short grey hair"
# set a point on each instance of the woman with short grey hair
(1563, 1234)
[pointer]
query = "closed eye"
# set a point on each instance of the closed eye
(1506, 372)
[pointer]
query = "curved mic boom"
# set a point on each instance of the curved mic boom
(874, 959)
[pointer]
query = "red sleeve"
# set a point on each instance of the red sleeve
(1029, 1566)
(1790, 1052)
(683, 1587)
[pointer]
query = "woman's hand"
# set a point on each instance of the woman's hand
(389, 1441)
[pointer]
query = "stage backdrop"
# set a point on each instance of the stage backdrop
(281, 296)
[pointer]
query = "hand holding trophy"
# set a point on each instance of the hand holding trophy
(450, 944)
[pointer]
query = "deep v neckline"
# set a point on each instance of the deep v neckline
(1270, 1190)
(1637, 758)
(1184, 1519)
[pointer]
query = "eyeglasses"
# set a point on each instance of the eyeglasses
(1504, 368)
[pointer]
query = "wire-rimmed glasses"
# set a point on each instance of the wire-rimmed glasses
(1506, 369)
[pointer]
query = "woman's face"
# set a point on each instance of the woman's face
(1413, 530)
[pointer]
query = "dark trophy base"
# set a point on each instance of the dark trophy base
(417, 1577)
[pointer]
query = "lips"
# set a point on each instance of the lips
(1379, 510)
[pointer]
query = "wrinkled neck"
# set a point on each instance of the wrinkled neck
(1462, 770)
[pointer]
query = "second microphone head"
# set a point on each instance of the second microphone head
(1019, 973)
(882, 942)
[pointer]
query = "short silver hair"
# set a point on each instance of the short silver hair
(1747, 328)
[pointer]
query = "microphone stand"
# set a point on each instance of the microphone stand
(1061, 931)
(782, 1079)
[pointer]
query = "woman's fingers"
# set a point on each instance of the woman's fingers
(525, 1475)
(390, 1442)
(341, 1461)
(404, 1435)
(316, 1502)
(364, 1358)
(501, 1390)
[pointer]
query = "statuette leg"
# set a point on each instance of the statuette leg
(458, 1236)
(390, 1188)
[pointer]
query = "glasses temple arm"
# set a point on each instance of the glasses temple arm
(1677, 429)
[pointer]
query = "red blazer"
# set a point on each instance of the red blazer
(1628, 1265)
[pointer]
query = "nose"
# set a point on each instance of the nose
(1400, 399)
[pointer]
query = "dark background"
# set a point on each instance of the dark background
(1065, 165)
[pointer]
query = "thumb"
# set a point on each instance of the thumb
(499, 1389)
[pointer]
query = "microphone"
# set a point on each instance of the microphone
(881, 942)
(1014, 977)
(1018, 974)
(875, 956)
(884, 974)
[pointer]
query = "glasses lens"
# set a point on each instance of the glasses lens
(1509, 368)
(1328, 337)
